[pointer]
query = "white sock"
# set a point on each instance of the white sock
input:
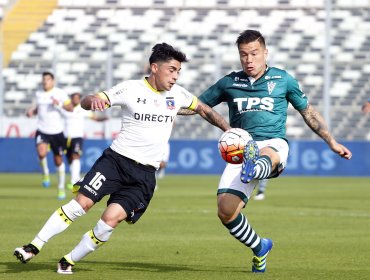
(75, 170)
(91, 241)
(44, 166)
(58, 222)
(61, 176)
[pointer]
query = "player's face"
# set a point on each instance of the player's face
(75, 100)
(47, 83)
(253, 57)
(165, 74)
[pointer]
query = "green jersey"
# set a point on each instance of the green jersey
(259, 107)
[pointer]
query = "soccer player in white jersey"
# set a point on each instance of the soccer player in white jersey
(74, 133)
(50, 126)
(126, 170)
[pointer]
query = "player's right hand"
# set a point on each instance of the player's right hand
(99, 104)
(341, 150)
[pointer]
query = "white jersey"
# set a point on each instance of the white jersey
(147, 118)
(75, 122)
(49, 117)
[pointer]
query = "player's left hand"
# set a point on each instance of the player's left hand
(341, 150)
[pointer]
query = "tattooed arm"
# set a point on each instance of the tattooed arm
(317, 123)
(185, 112)
(210, 115)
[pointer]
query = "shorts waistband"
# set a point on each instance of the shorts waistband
(145, 167)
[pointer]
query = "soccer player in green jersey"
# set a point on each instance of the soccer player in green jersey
(258, 98)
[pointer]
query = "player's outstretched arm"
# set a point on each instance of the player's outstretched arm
(211, 116)
(185, 112)
(95, 102)
(317, 123)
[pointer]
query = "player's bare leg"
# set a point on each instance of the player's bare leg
(42, 150)
(94, 238)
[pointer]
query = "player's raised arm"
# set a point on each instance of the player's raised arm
(95, 102)
(211, 116)
(317, 123)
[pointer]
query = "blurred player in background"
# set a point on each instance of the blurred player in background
(366, 107)
(258, 98)
(262, 184)
(74, 133)
(126, 170)
(50, 126)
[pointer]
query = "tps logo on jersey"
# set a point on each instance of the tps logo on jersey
(246, 104)
(170, 102)
(270, 86)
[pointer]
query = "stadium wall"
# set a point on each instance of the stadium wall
(307, 158)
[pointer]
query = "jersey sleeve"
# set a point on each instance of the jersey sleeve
(295, 95)
(214, 95)
(116, 94)
(189, 101)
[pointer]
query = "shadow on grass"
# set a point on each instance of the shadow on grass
(159, 267)
(16, 267)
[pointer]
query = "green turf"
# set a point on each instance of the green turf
(320, 228)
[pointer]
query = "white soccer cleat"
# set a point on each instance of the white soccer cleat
(23, 254)
(64, 267)
(259, 196)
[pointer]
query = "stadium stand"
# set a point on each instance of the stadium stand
(82, 41)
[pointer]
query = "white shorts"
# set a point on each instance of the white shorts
(230, 179)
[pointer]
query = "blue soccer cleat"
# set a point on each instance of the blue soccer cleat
(46, 181)
(250, 156)
(259, 261)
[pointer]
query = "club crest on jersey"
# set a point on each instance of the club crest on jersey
(141, 100)
(270, 86)
(170, 102)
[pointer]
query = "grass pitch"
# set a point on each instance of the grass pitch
(320, 228)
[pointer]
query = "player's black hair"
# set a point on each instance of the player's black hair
(165, 52)
(48, 74)
(75, 93)
(248, 36)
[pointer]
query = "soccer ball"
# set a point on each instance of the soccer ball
(231, 145)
